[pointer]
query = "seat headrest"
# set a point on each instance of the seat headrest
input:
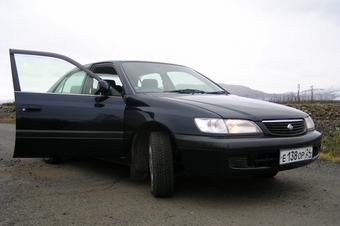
(150, 83)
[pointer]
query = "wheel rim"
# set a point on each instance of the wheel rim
(151, 167)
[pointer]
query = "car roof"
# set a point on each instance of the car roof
(129, 61)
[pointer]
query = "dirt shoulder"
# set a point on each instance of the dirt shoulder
(7, 113)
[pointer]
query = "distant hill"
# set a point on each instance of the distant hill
(245, 91)
(317, 94)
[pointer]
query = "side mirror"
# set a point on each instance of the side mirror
(104, 87)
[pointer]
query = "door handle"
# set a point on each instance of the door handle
(31, 107)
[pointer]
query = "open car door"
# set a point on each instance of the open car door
(59, 112)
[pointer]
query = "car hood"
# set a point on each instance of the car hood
(231, 106)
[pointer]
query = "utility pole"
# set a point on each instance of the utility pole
(311, 93)
(298, 93)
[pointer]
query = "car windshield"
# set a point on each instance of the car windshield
(160, 77)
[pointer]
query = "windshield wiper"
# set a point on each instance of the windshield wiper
(193, 91)
(218, 92)
(187, 91)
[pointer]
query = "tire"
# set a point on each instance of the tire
(161, 164)
(54, 160)
(267, 175)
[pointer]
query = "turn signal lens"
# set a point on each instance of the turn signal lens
(309, 123)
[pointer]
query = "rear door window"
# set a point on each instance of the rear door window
(72, 84)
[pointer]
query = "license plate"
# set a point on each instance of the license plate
(295, 155)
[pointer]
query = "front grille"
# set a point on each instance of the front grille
(289, 127)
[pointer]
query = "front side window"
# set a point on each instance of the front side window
(43, 74)
(39, 73)
(72, 83)
(109, 74)
(109, 78)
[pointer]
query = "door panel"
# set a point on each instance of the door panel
(63, 124)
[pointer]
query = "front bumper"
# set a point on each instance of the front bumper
(203, 155)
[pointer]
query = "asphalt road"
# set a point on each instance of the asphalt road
(93, 192)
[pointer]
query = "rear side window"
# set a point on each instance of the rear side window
(72, 84)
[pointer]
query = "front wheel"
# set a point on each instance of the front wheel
(161, 164)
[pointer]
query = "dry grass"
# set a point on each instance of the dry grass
(9, 104)
(8, 119)
(330, 148)
(329, 156)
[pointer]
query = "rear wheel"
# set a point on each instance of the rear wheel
(54, 160)
(161, 164)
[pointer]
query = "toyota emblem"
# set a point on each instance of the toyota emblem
(290, 127)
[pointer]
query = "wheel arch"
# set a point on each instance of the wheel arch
(139, 149)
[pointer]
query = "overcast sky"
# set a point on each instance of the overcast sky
(266, 45)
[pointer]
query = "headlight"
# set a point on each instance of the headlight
(309, 123)
(211, 125)
(231, 126)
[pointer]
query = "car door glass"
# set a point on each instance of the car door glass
(40, 73)
(113, 80)
(108, 77)
(72, 84)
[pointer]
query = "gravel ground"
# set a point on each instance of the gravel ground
(93, 192)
